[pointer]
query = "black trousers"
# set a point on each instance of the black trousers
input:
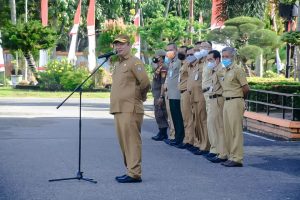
(177, 119)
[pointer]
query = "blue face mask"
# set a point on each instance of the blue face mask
(167, 60)
(226, 62)
(191, 58)
(211, 65)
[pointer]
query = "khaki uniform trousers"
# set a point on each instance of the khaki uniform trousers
(200, 119)
(170, 121)
(128, 127)
(233, 113)
(215, 127)
(187, 115)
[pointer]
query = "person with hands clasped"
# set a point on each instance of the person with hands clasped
(235, 89)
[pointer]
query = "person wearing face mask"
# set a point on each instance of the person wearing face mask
(235, 89)
(194, 86)
(185, 103)
(214, 105)
(173, 94)
(158, 80)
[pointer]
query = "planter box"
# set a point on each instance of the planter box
(28, 87)
(15, 79)
(271, 126)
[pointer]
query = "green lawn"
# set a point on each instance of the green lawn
(11, 92)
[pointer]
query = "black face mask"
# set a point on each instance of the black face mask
(181, 56)
(155, 60)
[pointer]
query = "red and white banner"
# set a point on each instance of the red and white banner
(137, 42)
(215, 12)
(71, 56)
(91, 35)
(2, 67)
(43, 53)
(44, 12)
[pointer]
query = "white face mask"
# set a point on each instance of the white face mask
(211, 65)
(201, 54)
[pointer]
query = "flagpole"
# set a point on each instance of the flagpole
(26, 20)
(2, 60)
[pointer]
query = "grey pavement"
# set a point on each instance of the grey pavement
(39, 142)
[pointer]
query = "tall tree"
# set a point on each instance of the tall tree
(12, 4)
(28, 38)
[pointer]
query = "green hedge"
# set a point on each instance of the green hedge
(279, 84)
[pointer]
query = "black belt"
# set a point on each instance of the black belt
(229, 98)
(182, 91)
(215, 96)
(205, 89)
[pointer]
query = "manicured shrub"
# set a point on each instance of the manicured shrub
(71, 79)
(61, 75)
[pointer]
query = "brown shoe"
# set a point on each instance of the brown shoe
(230, 163)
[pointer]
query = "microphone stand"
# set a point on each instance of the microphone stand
(79, 175)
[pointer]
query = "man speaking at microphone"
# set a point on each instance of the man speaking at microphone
(130, 85)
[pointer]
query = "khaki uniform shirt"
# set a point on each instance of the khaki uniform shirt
(206, 78)
(183, 76)
(215, 85)
(232, 80)
(194, 83)
(130, 85)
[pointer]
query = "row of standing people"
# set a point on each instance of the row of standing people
(199, 96)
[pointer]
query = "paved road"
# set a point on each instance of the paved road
(39, 142)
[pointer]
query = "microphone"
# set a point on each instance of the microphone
(114, 52)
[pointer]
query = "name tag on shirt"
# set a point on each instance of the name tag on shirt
(171, 73)
(196, 77)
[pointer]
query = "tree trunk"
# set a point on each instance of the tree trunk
(259, 66)
(167, 8)
(31, 64)
(191, 20)
(297, 63)
(13, 15)
(179, 8)
(273, 18)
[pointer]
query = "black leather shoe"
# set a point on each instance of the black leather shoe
(193, 149)
(160, 137)
(211, 155)
(119, 177)
(200, 152)
(230, 163)
(128, 179)
(187, 145)
(216, 159)
(169, 141)
(180, 146)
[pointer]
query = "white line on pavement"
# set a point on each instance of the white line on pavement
(257, 136)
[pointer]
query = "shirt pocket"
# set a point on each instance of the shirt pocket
(124, 69)
(230, 77)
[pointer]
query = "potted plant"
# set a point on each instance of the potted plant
(16, 76)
